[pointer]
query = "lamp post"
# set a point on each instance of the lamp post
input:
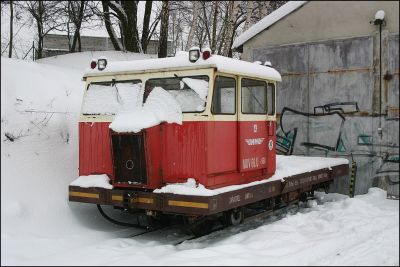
(379, 20)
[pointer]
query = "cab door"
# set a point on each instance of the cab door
(222, 129)
(253, 129)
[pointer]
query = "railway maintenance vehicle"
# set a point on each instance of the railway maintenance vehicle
(191, 136)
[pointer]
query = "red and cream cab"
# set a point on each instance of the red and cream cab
(225, 134)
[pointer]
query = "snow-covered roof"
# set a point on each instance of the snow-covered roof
(275, 16)
(181, 62)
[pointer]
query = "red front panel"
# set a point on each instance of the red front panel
(94, 148)
(253, 145)
(183, 151)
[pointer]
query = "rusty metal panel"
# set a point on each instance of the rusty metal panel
(292, 62)
(340, 75)
(286, 59)
(346, 86)
(341, 71)
(345, 54)
(293, 86)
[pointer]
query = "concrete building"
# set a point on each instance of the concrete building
(57, 44)
(339, 95)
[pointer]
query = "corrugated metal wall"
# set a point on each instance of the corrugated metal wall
(329, 104)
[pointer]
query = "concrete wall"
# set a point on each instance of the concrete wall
(328, 101)
(323, 20)
(55, 44)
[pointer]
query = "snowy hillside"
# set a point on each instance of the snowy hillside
(40, 103)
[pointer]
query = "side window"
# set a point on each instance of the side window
(224, 97)
(190, 91)
(254, 96)
(271, 98)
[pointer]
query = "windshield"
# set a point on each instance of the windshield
(109, 98)
(190, 91)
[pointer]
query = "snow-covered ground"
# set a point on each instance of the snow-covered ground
(40, 103)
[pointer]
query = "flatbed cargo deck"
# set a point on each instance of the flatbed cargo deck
(294, 175)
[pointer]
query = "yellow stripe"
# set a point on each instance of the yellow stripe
(81, 194)
(143, 200)
(116, 197)
(188, 204)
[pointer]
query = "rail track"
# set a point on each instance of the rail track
(174, 235)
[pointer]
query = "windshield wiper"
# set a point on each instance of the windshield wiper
(116, 88)
(181, 79)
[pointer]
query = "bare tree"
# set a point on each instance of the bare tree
(126, 13)
(163, 41)
(46, 15)
(193, 27)
(10, 46)
(249, 12)
(146, 25)
(214, 27)
(76, 11)
(110, 30)
(233, 9)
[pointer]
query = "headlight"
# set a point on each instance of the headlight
(194, 54)
(101, 63)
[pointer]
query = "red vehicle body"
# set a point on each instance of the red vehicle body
(216, 150)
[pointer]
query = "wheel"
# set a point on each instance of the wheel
(203, 228)
(303, 197)
(269, 204)
(236, 216)
(326, 188)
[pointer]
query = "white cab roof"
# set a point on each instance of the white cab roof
(181, 62)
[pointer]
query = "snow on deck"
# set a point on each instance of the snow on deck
(285, 166)
(181, 60)
(275, 16)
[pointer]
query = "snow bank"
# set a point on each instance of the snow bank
(160, 106)
(100, 180)
(81, 60)
(40, 107)
(285, 166)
